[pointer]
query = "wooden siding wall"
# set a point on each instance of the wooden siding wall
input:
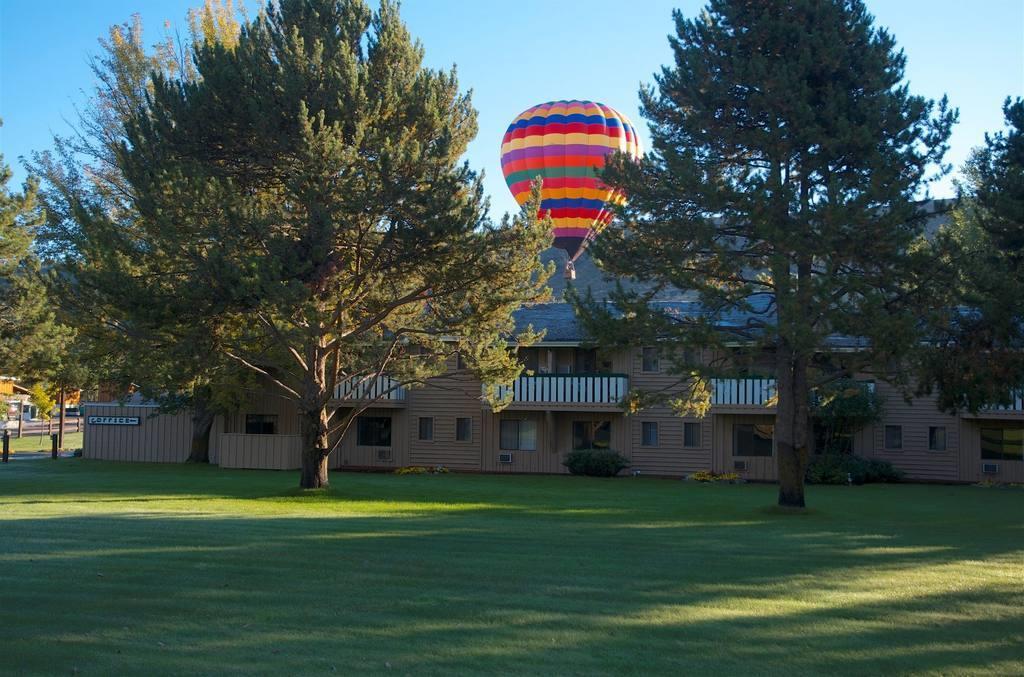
(544, 460)
(669, 457)
(970, 454)
(554, 440)
(915, 418)
(647, 380)
(166, 438)
(445, 403)
(159, 438)
(268, 452)
(759, 468)
(352, 455)
(265, 403)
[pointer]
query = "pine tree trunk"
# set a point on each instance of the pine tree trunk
(315, 449)
(202, 425)
(314, 470)
(792, 426)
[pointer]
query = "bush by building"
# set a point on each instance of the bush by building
(847, 468)
(595, 462)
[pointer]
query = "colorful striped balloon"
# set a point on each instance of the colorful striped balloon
(564, 142)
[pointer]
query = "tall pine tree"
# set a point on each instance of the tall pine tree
(103, 286)
(28, 332)
(305, 191)
(977, 356)
(787, 156)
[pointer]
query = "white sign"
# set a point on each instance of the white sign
(113, 420)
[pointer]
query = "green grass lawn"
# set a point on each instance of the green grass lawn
(41, 443)
(111, 569)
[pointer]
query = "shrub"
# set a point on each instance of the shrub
(420, 470)
(595, 462)
(843, 468)
(882, 471)
(708, 476)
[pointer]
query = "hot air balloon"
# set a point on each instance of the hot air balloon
(564, 142)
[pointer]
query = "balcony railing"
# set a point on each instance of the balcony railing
(1016, 404)
(568, 389)
(755, 392)
(380, 388)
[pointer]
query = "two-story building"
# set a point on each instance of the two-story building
(570, 397)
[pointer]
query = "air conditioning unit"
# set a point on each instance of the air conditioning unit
(990, 468)
(739, 465)
(383, 454)
(504, 458)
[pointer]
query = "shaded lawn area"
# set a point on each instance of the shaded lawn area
(41, 443)
(111, 568)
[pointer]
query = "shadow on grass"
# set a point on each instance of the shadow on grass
(512, 574)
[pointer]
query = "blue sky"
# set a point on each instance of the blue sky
(516, 54)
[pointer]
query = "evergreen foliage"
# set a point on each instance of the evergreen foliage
(300, 201)
(134, 329)
(28, 332)
(843, 407)
(832, 468)
(788, 156)
(979, 359)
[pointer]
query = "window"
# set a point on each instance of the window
(649, 360)
(518, 435)
(463, 429)
(893, 437)
(460, 362)
(1002, 444)
(649, 434)
(749, 439)
(936, 438)
(585, 361)
(530, 359)
(691, 434)
(426, 428)
(373, 431)
(260, 424)
(591, 434)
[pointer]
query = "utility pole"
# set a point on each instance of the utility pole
(60, 426)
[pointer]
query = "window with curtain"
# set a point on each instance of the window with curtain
(751, 439)
(517, 435)
(1002, 444)
(373, 431)
(463, 429)
(691, 434)
(649, 434)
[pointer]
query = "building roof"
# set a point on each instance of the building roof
(559, 321)
(561, 325)
(590, 277)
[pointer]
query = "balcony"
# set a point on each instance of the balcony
(567, 392)
(738, 395)
(384, 391)
(1015, 409)
(742, 394)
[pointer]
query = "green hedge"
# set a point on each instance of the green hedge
(843, 468)
(595, 462)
